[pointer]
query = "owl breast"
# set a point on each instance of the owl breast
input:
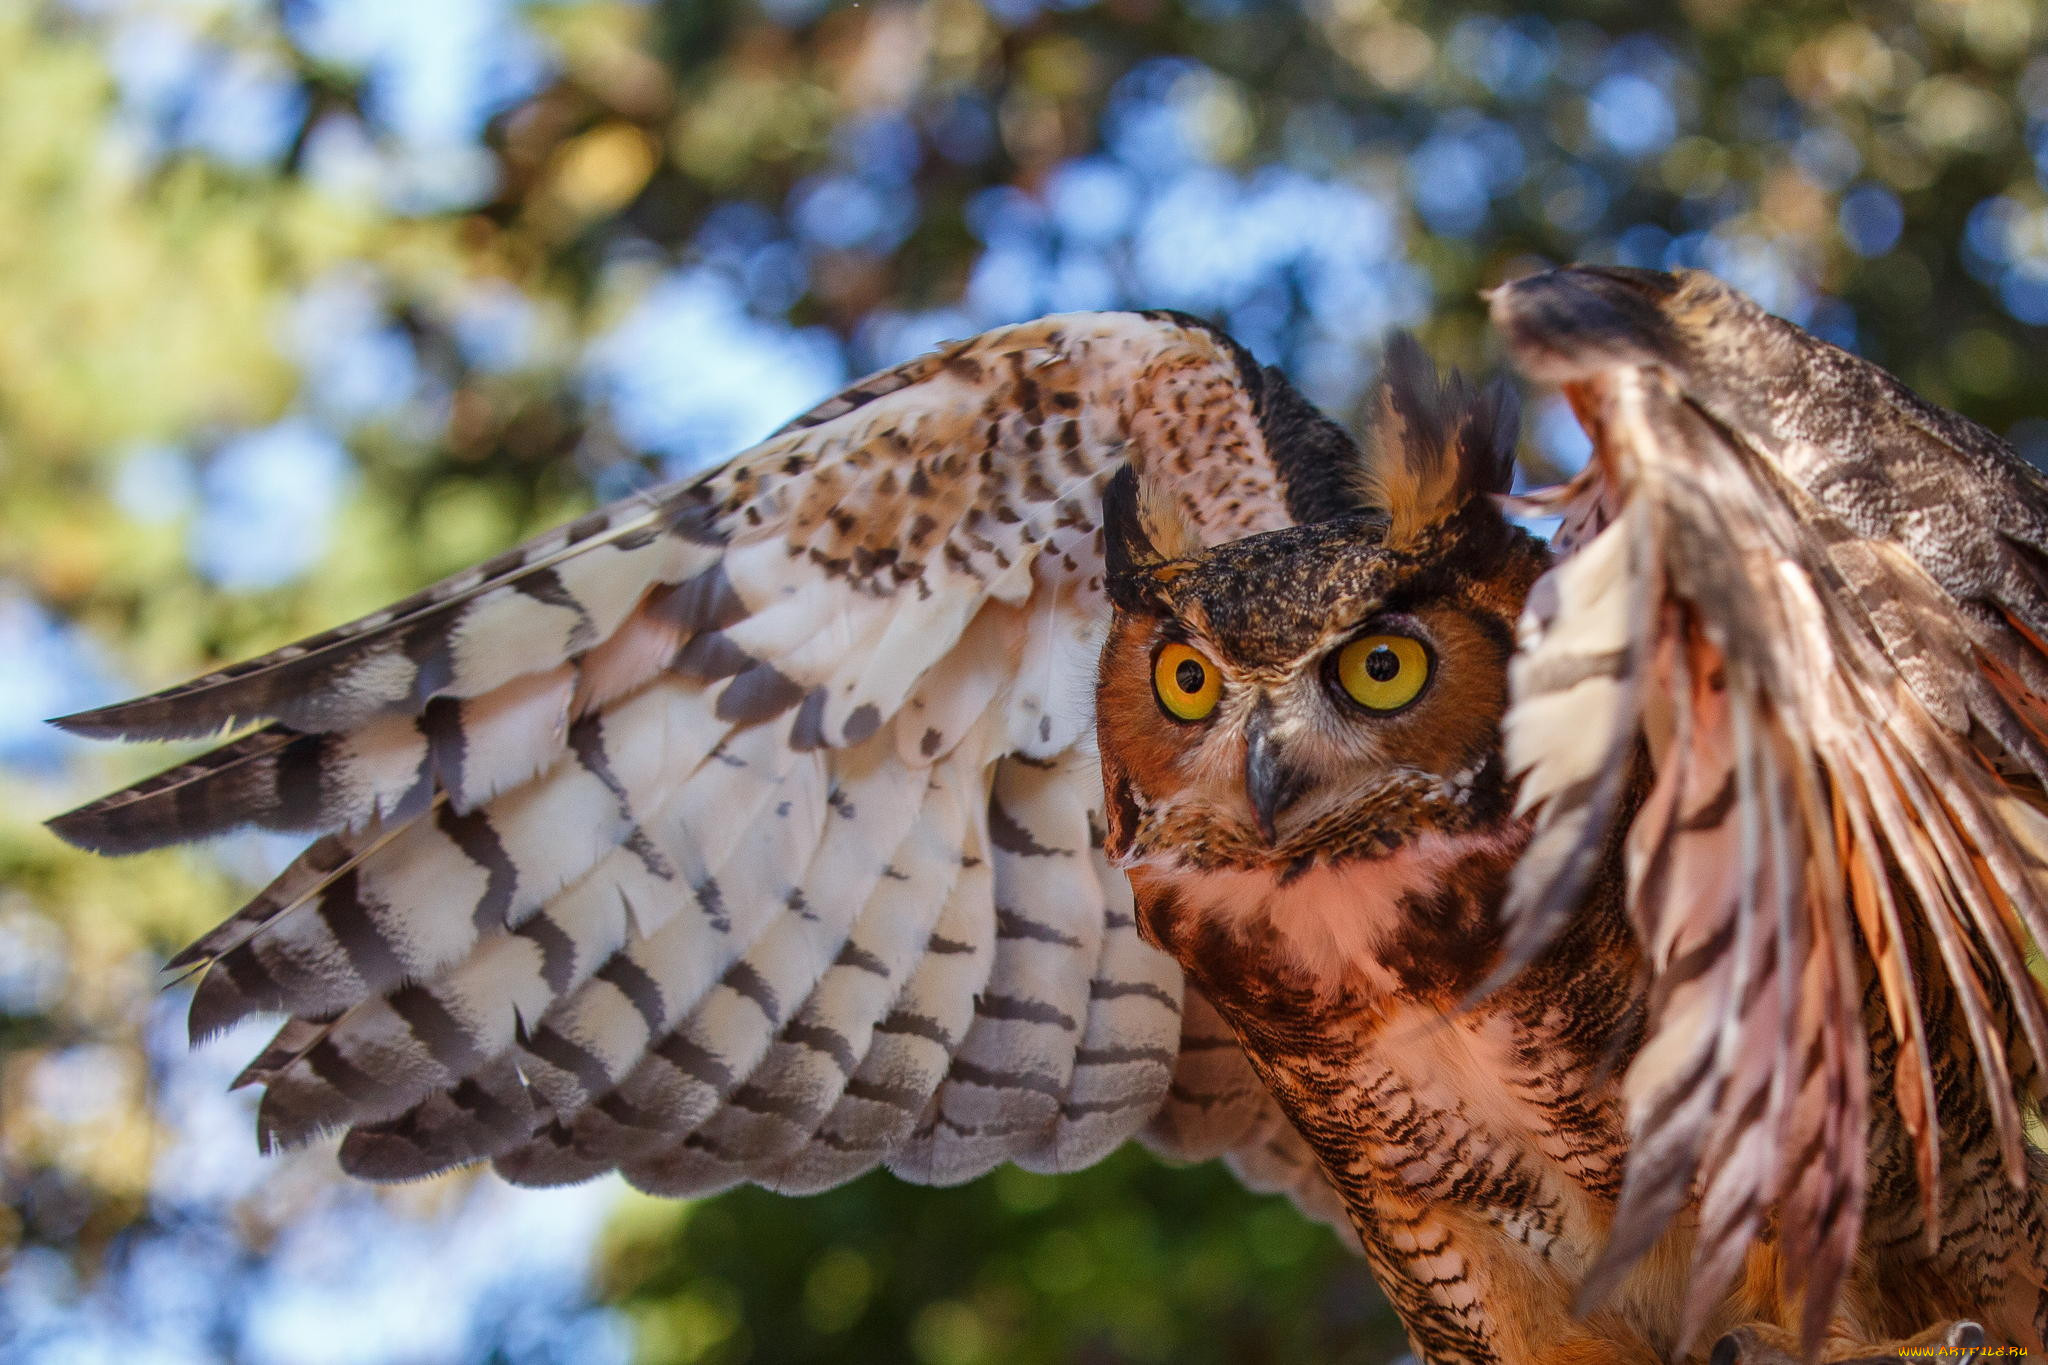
(1478, 1146)
(1416, 924)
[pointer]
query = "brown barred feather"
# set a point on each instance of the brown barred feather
(685, 839)
(1855, 572)
(555, 596)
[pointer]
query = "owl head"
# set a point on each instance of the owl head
(1327, 691)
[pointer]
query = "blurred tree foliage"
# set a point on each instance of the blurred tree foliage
(1128, 1261)
(305, 303)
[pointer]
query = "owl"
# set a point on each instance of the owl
(1623, 935)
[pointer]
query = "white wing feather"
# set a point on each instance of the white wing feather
(744, 830)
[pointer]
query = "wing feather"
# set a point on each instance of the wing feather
(1009, 1079)
(736, 831)
(526, 610)
(1130, 1031)
(1814, 605)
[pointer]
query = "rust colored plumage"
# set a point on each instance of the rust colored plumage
(1810, 599)
(1625, 936)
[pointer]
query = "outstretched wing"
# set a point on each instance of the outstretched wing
(1817, 605)
(737, 831)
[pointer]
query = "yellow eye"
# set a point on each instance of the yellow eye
(1187, 683)
(1383, 672)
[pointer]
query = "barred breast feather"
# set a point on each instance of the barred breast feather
(1817, 606)
(740, 831)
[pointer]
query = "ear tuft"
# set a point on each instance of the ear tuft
(1143, 527)
(1125, 546)
(1166, 521)
(1436, 443)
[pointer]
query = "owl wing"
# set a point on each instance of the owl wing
(1818, 606)
(743, 830)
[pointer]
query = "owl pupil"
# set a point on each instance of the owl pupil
(1381, 665)
(1190, 676)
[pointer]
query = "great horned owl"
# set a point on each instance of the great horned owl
(1630, 947)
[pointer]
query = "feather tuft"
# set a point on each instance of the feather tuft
(1436, 443)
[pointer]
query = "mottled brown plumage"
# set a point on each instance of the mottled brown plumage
(1628, 946)
(1587, 1059)
(1828, 711)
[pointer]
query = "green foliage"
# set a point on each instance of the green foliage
(1129, 1261)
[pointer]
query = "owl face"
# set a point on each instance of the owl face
(1311, 693)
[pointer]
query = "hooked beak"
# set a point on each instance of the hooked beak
(1269, 783)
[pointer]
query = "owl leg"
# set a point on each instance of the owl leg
(1948, 1343)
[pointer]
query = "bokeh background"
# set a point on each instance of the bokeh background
(304, 303)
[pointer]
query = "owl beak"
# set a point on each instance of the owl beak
(1269, 782)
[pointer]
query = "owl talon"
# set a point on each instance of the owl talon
(1963, 1340)
(1759, 1344)
(1954, 1343)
